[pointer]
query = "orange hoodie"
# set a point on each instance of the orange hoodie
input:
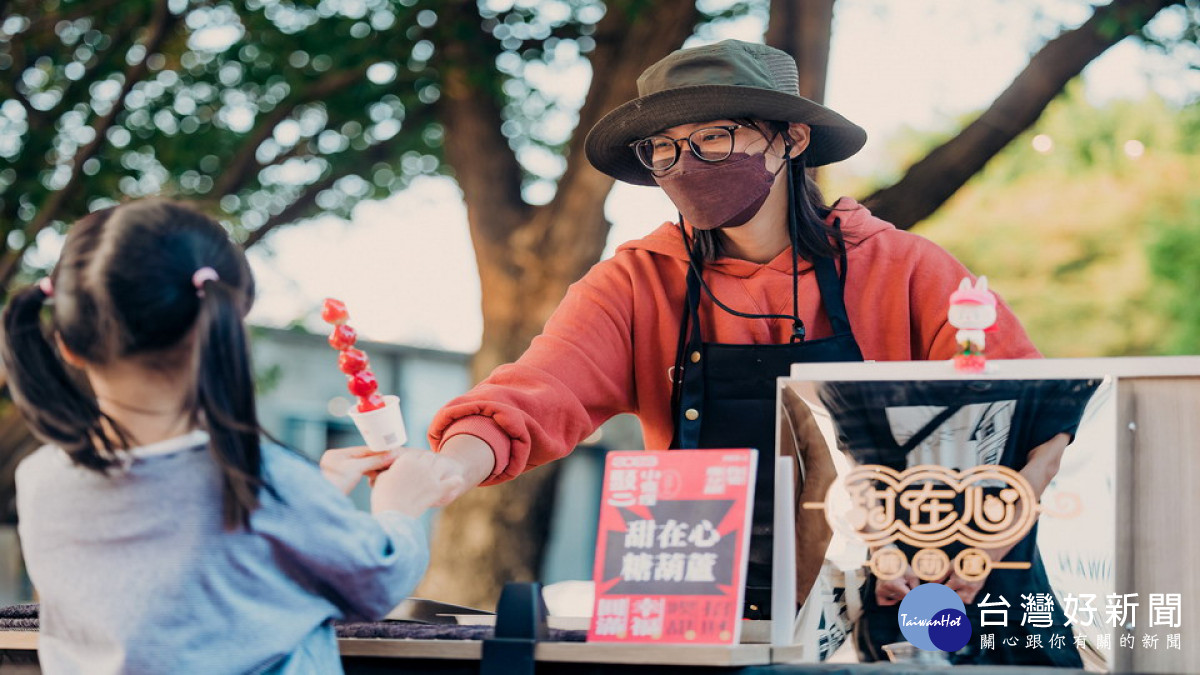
(609, 345)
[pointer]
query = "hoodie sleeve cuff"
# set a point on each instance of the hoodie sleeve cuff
(487, 430)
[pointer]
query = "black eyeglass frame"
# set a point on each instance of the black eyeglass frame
(728, 128)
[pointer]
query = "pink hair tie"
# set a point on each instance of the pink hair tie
(47, 286)
(202, 275)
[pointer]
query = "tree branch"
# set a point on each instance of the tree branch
(299, 208)
(42, 27)
(159, 28)
(117, 42)
(631, 37)
(484, 164)
(244, 164)
(20, 63)
(932, 180)
(302, 206)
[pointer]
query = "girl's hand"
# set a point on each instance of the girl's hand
(345, 467)
(415, 481)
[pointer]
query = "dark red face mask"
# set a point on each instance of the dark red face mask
(725, 194)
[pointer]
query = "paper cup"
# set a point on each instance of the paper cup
(383, 428)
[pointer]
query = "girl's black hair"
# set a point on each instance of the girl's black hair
(123, 289)
(812, 238)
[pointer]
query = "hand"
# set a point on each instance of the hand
(345, 467)
(454, 467)
(967, 590)
(889, 593)
(1043, 462)
(415, 481)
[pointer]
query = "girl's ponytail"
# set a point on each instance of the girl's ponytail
(122, 294)
(225, 392)
(55, 407)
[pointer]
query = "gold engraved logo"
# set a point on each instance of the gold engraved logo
(928, 507)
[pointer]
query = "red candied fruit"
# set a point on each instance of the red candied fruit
(351, 361)
(369, 403)
(362, 383)
(334, 312)
(342, 337)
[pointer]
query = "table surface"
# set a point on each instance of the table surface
(369, 655)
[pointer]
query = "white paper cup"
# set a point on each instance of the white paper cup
(383, 428)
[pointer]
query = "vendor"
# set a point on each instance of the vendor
(689, 327)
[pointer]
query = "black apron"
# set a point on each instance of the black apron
(727, 399)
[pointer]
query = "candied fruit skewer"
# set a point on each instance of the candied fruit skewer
(360, 381)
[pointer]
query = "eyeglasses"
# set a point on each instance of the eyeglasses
(710, 144)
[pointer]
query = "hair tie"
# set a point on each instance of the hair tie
(202, 275)
(46, 286)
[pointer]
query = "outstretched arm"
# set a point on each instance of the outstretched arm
(472, 457)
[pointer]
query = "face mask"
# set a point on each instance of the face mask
(725, 194)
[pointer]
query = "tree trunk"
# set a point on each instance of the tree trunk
(803, 29)
(527, 256)
(932, 180)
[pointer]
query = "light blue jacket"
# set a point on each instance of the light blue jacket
(135, 573)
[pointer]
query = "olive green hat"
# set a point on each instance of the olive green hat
(729, 79)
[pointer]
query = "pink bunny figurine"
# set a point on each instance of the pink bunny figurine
(972, 311)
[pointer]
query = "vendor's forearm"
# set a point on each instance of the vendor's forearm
(475, 455)
(1043, 463)
(1039, 470)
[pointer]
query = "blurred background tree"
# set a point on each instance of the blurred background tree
(1107, 201)
(1174, 255)
(271, 111)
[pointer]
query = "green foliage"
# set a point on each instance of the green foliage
(265, 111)
(246, 105)
(1174, 253)
(1088, 239)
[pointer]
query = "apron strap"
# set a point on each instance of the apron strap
(832, 295)
(684, 380)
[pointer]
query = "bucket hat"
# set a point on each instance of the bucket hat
(725, 80)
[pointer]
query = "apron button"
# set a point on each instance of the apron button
(692, 414)
(695, 357)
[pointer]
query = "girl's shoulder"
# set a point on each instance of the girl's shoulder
(41, 464)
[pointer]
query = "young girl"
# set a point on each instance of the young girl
(160, 533)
